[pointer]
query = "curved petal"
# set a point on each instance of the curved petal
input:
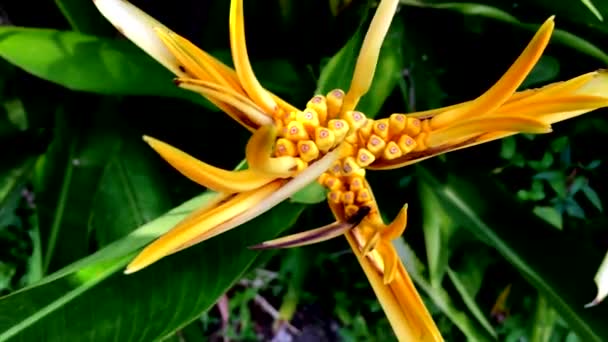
(239, 107)
(506, 85)
(288, 188)
(209, 176)
(242, 65)
(365, 68)
(139, 28)
(200, 227)
(259, 154)
(550, 104)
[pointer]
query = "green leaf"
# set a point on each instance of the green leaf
(130, 192)
(64, 183)
(551, 215)
(593, 9)
(88, 63)
(149, 304)
(467, 279)
(593, 197)
(544, 321)
(516, 234)
(559, 36)
(438, 228)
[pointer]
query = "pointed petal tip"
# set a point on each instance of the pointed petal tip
(592, 303)
(131, 269)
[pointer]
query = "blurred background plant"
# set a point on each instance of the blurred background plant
(503, 242)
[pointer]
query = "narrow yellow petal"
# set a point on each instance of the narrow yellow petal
(399, 299)
(259, 154)
(553, 90)
(369, 53)
(242, 65)
(390, 260)
(506, 86)
(305, 177)
(551, 109)
(312, 236)
(397, 227)
(201, 228)
(196, 62)
(214, 178)
(139, 28)
(248, 113)
(458, 133)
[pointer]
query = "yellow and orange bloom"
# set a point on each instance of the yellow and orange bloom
(333, 143)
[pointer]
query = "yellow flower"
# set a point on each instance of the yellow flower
(333, 143)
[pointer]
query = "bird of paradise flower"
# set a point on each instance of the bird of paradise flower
(333, 143)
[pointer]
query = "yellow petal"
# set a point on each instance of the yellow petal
(390, 260)
(240, 58)
(214, 178)
(458, 133)
(369, 53)
(247, 112)
(399, 299)
(307, 176)
(371, 243)
(506, 86)
(139, 27)
(200, 227)
(397, 227)
(198, 63)
(259, 154)
(551, 109)
(312, 236)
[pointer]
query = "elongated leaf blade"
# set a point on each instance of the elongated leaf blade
(561, 269)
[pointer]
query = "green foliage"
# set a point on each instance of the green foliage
(81, 194)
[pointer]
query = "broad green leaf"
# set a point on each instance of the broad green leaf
(88, 63)
(439, 295)
(130, 191)
(147, 305)
(559, 36)
(64, 183)
(487, 210)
